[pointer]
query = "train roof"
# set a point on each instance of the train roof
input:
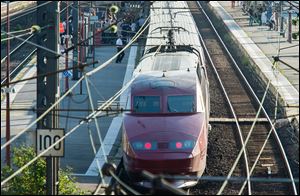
(178, 18)
(168, 62)
(172, 81)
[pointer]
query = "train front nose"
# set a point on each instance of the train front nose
(170, 145)
(176, 156)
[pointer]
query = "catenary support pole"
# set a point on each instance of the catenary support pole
(48, 86)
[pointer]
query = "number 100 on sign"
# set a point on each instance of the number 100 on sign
(47, 137)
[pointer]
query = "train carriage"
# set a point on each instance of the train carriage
(167, 128)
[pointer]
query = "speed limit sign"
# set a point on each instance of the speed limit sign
(45, 138)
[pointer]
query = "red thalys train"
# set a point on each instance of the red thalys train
(167, 128)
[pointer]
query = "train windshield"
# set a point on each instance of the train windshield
(146, 104)
(181, 103)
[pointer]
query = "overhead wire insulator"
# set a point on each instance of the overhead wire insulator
(35, 29)
(114, 28)
(114, 9)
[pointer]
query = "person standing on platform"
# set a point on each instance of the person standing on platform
(264, 18)
(133, 28)
(141, 22)
(241, 3)
(120, 46)
(232, 4)
(259, 14)
(251, 16)
(272, 22)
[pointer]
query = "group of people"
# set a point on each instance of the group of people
(63, 30)
(262, 15)
(125, 32)
(126, 28)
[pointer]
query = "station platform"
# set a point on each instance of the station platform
(79, 153)
(260, 44)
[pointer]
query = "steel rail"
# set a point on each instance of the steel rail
(231, 108)
(258, 101)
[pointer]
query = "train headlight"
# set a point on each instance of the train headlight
(139, 145)
(189, 144)
(182, 144)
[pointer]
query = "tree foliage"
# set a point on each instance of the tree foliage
(32, 180)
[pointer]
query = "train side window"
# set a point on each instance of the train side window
(146, 104)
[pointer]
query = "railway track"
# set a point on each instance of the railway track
(234, 109)
(21, 54)
(15, 8)
(243, 104)
(21, 16)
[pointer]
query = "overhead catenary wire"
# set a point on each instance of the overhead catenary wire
(16, 36)
(18, 47)
(103, 106)
(42, 115)
(262, 148)
(15, 18)
(111, 59)
(99, 135)
(18, 31)
(98, 131)
(98, 92)
(286, 161)
(94, 151)
(65, 94)
(96, 122)
(246, 142)
(124, 184)
(81, 66)
(34, 44)
(83, 118)
(133, 39)
(33, 31)
(232, 111)
(34, 77)
(51, 51)
(88, 118)
(57, 54)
